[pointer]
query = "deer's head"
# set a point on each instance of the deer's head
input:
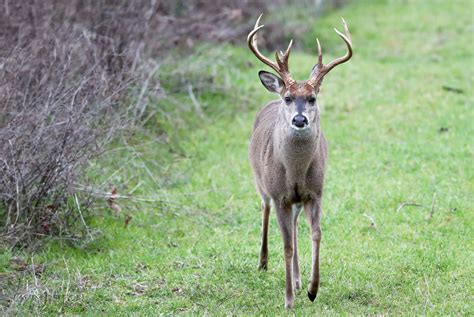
(299, 98)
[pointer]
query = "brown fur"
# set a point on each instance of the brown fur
(300, 89)
(288, 154)
(289, 170)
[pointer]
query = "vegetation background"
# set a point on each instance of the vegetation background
(160, 216)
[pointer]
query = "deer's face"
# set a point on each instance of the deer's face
(299, 106)
(298, 98)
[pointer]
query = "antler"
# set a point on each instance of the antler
(321, 70)
(281, 66)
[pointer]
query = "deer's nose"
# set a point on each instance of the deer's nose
(299, 121)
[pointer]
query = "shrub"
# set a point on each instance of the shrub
(65, 69)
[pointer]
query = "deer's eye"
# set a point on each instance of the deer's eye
(312, 100)
(287, 99)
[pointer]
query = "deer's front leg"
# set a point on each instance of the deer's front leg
(296, 269)
(264, 249)
(285, 219)
(313, 213)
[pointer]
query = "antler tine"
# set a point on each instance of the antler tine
(346, 30)
(287, 52)
(281, 65)
(320, 55)
(347, 39)
(252, 43)
(286, 56)
(282, 58)
(324, 69)
(258, 21)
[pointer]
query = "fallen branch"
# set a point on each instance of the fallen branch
(115, 196)
(372, 220)
(412, 204)
(404, 204)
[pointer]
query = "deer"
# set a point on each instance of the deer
(288, 154)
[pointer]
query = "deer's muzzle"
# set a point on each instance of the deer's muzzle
(299, 121)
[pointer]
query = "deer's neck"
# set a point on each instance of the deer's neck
(296, 150)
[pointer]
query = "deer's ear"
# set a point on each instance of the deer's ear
(272, 82)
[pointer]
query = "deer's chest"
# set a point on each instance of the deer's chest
(302, 185)
(296, 183)
(297, 193)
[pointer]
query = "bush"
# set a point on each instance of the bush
(66, 69)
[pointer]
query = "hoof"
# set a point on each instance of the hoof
(311, 297)
(262, 267)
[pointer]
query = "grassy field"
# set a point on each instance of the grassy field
(398, 133)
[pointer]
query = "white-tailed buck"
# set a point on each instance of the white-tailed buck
(288, 154)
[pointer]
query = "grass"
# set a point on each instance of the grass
(396, 135)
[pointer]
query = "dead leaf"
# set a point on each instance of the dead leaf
(116, 300)
(177, 290)
(179, 264)
(18, 264)
(112, 203)
(83, 281)
(138, 289)
(127, 220)
(37, 269)
(443, 130)
(172, 244)
(453, 89)
(141, 267)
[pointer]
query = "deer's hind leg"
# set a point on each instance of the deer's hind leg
(285, 219)
(313, 212)
(265, 217)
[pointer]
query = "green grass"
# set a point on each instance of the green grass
(196, 252)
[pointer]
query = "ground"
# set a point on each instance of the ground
(398, 118)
